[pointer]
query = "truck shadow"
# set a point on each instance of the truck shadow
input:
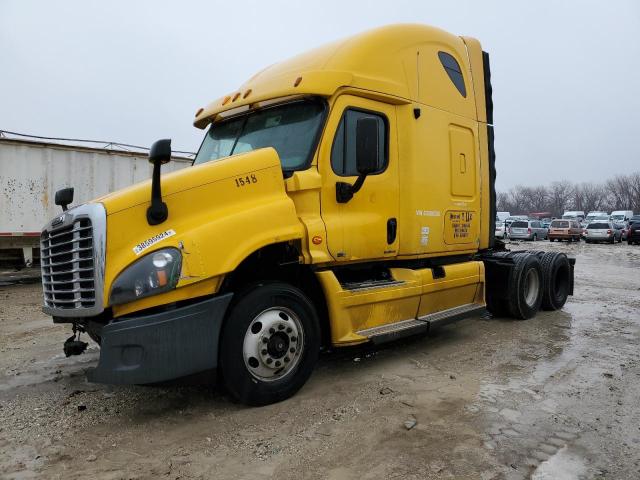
(198, 395)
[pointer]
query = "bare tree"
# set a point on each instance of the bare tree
(560, 194)
(594, 196)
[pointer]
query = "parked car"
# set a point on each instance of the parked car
(603, 232)
(527, 230)
(596, 215)
(633, 235)
(501, 229)
(502, 216)
(621, 215)
(623, 227)
(573, 215)
(508, 221)
(569, 230)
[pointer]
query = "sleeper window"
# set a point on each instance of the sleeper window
(452, 67)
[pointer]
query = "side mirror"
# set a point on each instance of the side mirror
(159, 154)
(367, 145)
(366, 158)
(160, 151)
(64, 197)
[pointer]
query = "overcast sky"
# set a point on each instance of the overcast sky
(565, 74)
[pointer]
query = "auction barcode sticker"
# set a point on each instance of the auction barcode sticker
(142, 246)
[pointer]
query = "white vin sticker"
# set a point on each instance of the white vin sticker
(142, 246)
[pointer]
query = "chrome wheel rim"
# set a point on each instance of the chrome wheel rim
(273, 344)
(531, 287)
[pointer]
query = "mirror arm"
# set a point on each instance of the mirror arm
(345, 191)
(157, 211)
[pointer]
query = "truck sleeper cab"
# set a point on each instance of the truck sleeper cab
(341, 197)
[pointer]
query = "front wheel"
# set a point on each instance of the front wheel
(270, 343)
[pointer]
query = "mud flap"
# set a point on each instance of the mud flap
(161, 346)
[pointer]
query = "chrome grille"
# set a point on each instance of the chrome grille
(68, 266)
(72, 262)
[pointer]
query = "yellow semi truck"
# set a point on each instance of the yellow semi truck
(341, 197)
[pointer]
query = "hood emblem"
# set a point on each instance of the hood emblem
(57, 220)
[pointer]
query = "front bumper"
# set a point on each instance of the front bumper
(161, 346)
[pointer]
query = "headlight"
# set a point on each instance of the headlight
(155, 273)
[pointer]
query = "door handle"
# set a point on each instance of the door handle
(392, 230)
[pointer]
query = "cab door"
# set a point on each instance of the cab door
(366, 226)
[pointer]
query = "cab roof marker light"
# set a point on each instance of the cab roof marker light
(236, 96)
(297, 82)
(247, 93)
(200, 110)
(226, 100)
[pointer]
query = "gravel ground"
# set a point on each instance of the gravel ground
(554, 397)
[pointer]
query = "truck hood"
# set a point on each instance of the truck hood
(219, 213)
(190, 177)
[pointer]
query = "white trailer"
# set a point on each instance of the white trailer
(32, 171)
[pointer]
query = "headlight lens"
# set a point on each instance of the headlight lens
(155, 273)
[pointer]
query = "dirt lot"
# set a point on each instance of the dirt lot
(553, 397)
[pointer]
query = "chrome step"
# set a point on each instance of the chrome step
(423, 324)
(392, 331)
(454, 314)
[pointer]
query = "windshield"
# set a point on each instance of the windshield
(617, 217)
(292, 129)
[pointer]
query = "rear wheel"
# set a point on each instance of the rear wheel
(270, 343)
(525, 287)
(556, 276)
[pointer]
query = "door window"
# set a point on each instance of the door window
(343, 151)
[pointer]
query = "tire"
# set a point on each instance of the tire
(525, 286)
(551, 240)
(556, 279)
(259, 376)
(613, 240)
